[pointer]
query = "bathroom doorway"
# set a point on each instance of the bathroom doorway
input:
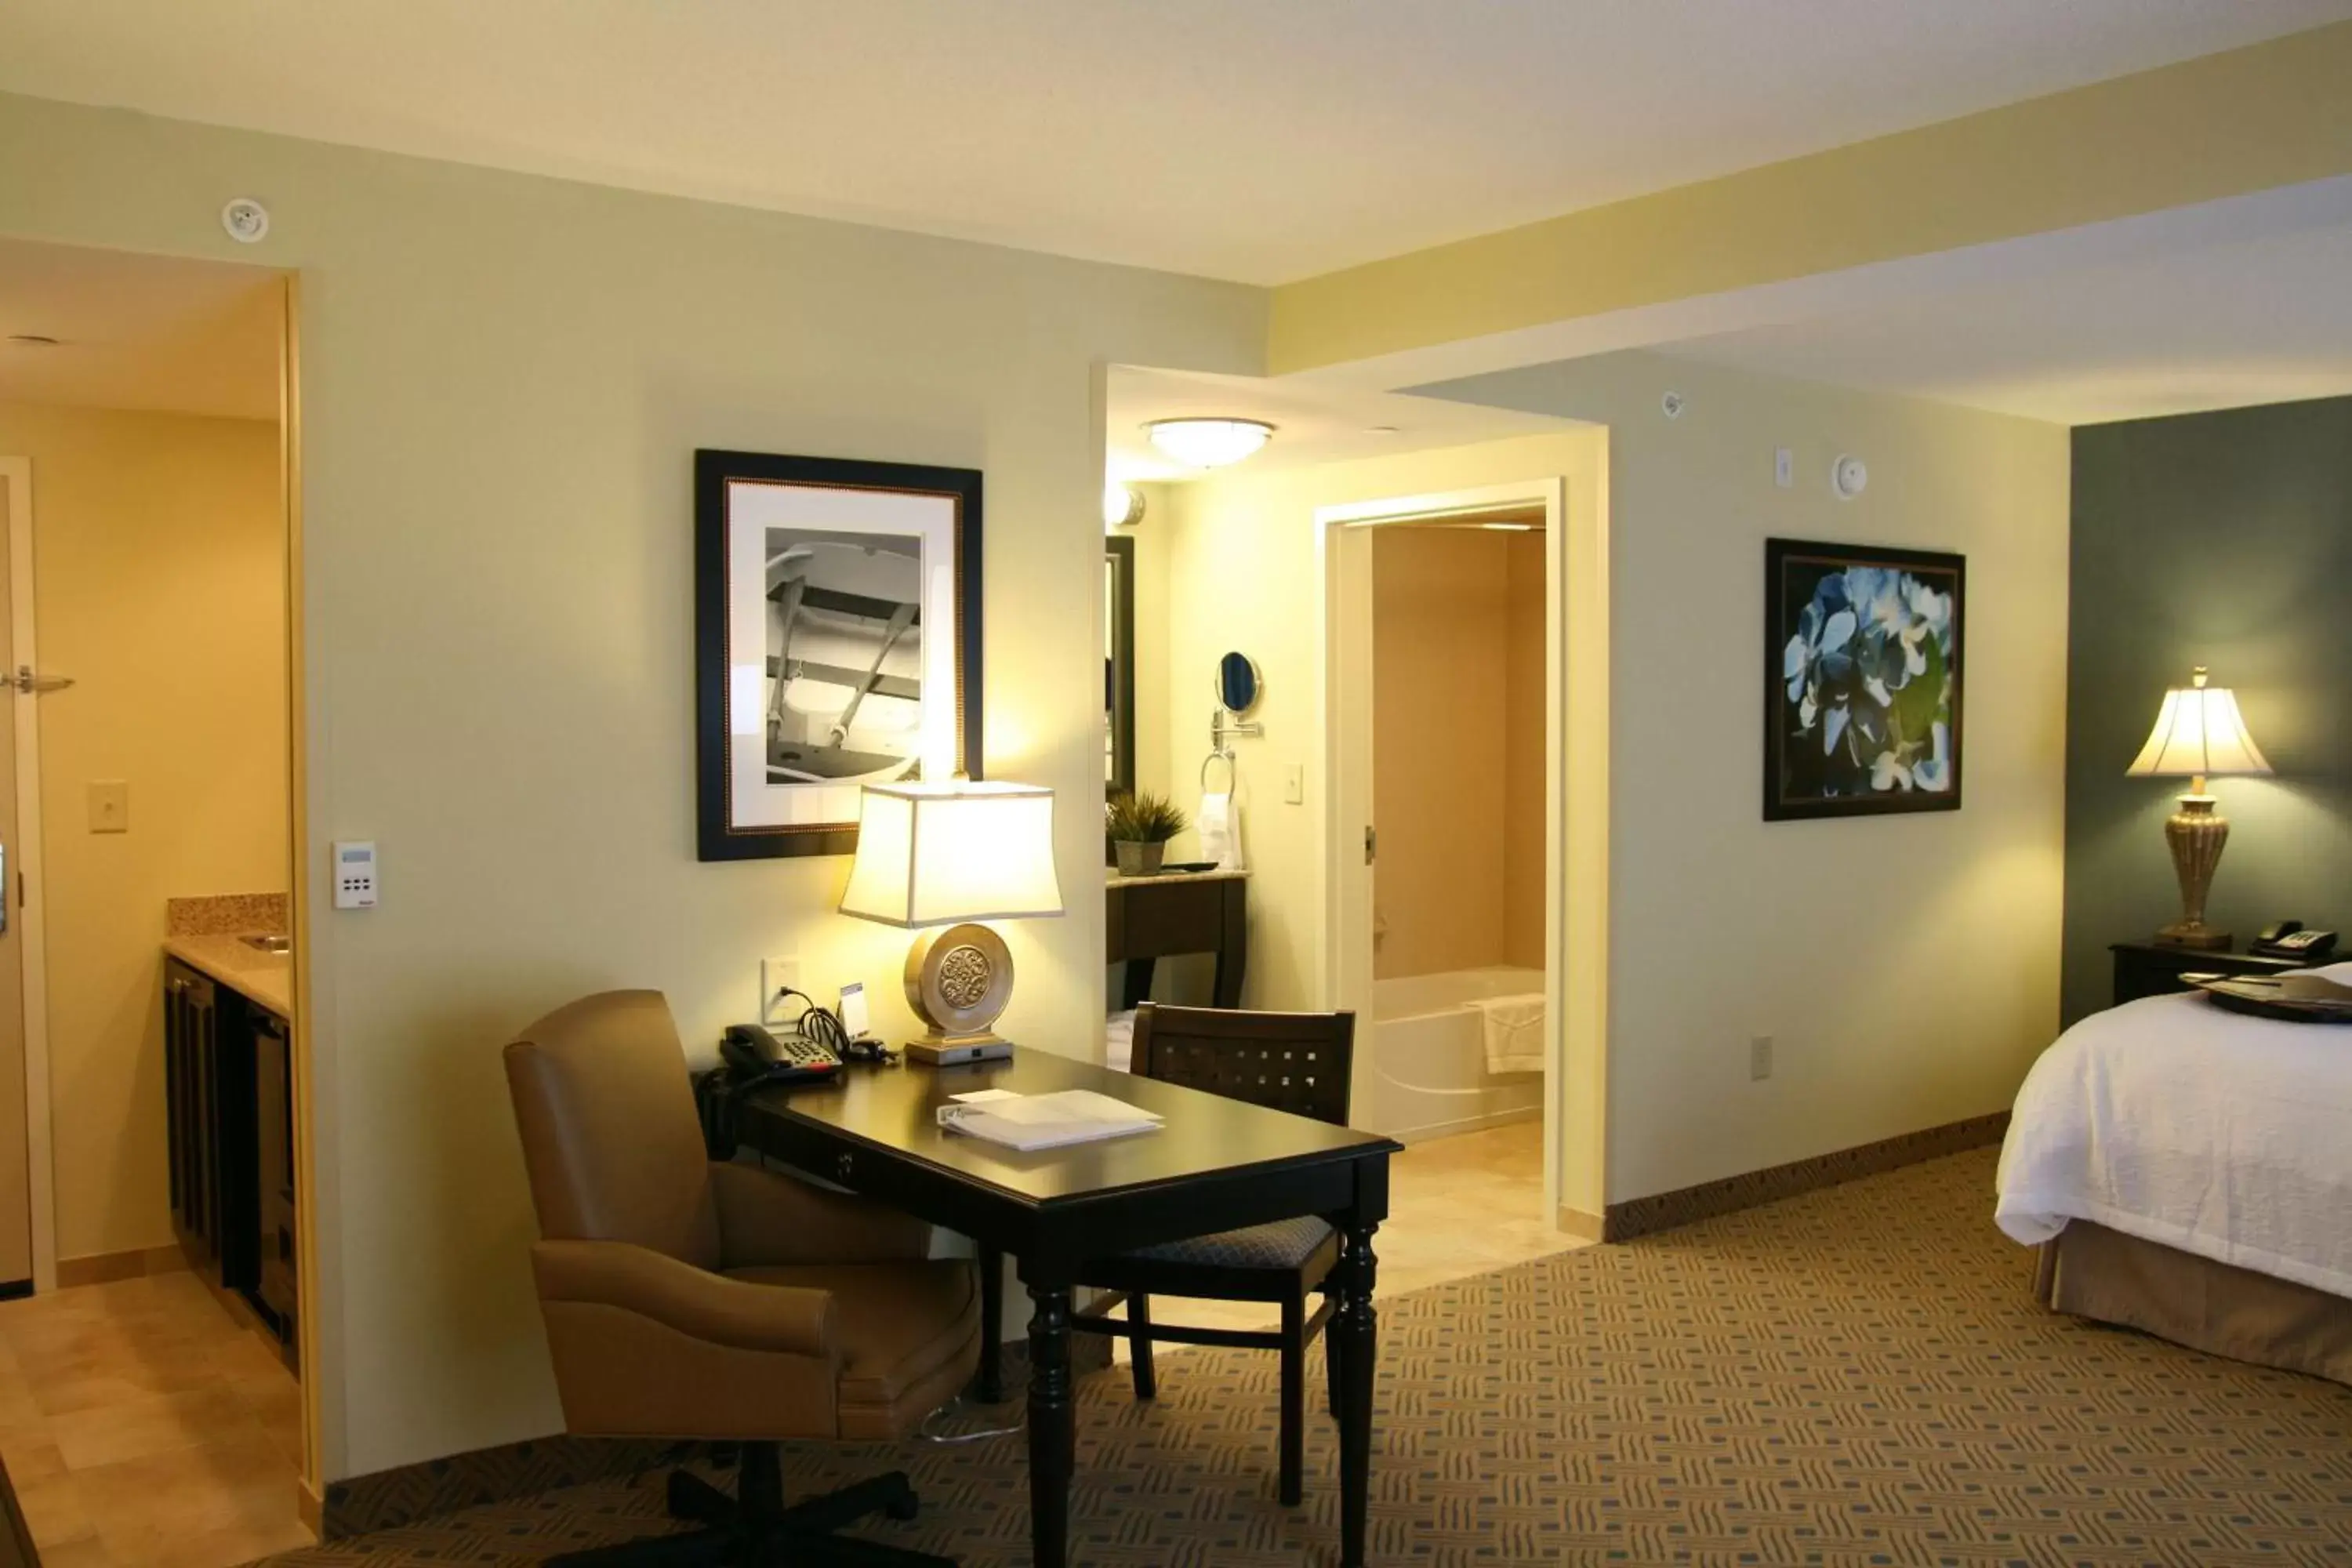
(1445, 701)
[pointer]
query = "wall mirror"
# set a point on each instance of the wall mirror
(1119, 666)
(1239, 685)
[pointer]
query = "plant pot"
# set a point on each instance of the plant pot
(1139, 860)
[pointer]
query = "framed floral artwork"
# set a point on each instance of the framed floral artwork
(1862, 675)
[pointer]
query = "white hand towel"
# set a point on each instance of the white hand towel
(1515, 1031)
(1220, 823)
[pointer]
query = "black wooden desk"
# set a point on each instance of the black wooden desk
(1149, 918)
(1217, 1164)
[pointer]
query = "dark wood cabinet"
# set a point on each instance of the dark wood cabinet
(277, 1292)
(192, 1092)
(2154, 969)
(229, 1120)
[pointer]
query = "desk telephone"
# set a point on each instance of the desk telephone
(2287, 939)
(752, 1055)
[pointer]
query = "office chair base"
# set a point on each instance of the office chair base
(755, 1530)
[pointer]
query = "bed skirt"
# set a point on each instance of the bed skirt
(2090, 1271)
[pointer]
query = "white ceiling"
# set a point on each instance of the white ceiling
(2221, 326)
(139, 331)
(1258, 140)
(1313, 423)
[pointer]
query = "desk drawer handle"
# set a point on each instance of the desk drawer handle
(844, 1167)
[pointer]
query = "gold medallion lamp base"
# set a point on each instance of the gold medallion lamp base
(941, 858)
(2197, 733)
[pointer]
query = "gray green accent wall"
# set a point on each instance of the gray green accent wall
(2223, 540)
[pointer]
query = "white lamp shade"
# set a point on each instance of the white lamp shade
(932, 854)
(2198, 731)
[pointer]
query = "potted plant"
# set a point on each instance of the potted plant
(1140, 825)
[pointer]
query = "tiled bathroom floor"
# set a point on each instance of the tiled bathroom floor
(1457, 1206)
(141, 1425)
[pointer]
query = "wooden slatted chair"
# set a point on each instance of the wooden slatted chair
(1297, 1062)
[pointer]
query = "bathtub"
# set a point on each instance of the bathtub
(1420, 1068)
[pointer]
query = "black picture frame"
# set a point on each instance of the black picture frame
(1119, 672)
(725, 829)
(1869, 765)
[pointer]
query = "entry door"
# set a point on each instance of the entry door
(15, 1182)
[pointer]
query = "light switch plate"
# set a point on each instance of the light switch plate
(1293, 783)
(354, 863)
(1760, 1057)
(109, 806)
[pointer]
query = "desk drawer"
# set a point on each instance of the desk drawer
(1154, 923)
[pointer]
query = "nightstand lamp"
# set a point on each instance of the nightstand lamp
(939, 858)
(2199, 734)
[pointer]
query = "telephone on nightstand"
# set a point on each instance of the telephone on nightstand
(2287, 939)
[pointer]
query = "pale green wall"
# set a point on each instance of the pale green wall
(1907, 966)
(505, 378)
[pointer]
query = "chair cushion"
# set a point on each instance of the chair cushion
(1285, 1244)
(907, 1333)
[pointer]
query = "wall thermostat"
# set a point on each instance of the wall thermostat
(1847, 476)
(355, 874)
(246, 220)
(1672, 406)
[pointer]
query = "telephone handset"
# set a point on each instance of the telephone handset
(2288, 938)
(754, 1056)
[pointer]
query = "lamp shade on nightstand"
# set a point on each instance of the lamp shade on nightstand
(951, 855)
(2199, 734)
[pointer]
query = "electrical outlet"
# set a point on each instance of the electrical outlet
(109, 806)
(1293, 783)
(1760, 1057)
(775, 974)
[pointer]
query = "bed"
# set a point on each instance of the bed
(2188, 1172)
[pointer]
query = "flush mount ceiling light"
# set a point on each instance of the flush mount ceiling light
(1208, 443)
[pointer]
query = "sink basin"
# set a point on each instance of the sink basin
(269, 944)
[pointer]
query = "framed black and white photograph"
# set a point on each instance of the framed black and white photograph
(1862, 680)
(837, 642)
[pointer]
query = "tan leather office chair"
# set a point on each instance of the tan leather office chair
(692, 1299)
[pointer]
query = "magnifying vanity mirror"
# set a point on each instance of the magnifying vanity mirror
(1239, 685)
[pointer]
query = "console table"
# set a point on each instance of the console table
(1151, 917)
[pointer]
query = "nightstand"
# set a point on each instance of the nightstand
(2152, 969)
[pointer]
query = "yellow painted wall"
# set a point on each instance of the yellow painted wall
(1907, 966)
(161, 589)
(504, 380)
(1243, 573)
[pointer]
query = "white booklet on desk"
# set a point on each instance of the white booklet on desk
(1027, 1122)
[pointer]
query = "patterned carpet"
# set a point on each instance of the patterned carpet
(1855, 1376)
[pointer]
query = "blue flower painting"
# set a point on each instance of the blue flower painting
(1862, 680)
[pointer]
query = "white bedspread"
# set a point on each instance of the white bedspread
(2174, 1120)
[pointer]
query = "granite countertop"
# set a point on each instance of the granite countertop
(267, 978)
(1113, 879)
(206, 934)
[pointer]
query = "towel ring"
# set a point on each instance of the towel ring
(1210, 761)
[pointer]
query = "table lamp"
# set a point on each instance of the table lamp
(2198, 734)
(939, 858)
